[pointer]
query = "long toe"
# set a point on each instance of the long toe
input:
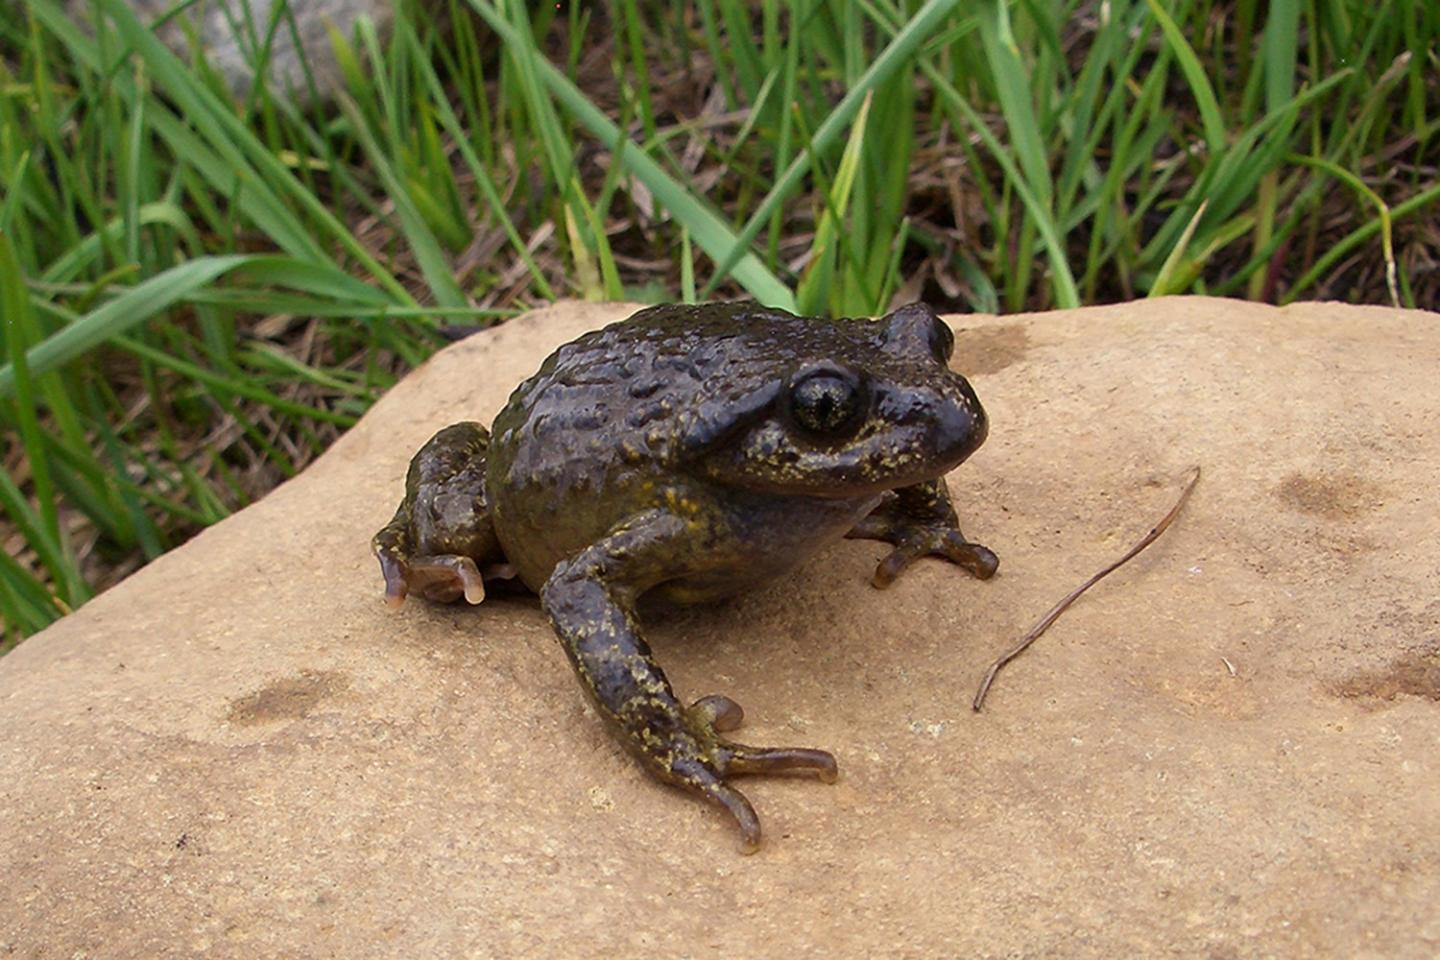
(979, 560)
(734, 802)
(749, 760)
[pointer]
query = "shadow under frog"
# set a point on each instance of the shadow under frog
(689, 453)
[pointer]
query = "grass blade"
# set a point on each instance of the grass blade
(1195, 76)
(903, 44)
(706, 227)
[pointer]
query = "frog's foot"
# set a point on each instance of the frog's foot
(443, 579)
(920, 522)
(916, 542)
(704, 762)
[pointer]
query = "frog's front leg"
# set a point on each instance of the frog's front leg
(590, 600)
(440, 543)
(920, 521)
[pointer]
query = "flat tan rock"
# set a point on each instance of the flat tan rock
(1227, 749)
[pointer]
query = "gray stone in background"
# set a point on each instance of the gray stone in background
(231, 52)
(241, 752)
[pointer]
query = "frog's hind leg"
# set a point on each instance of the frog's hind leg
(590, 601)
(920, 521)
(440, 543)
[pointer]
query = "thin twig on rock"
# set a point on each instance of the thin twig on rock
(1071, 597)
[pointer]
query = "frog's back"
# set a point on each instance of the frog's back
(618, 399)
(600, 428)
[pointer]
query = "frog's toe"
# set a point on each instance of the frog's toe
(709, 777)
(720, 712)
(745, 759)
(980, 561)
(397, 584)
(472, 583)
(717, 713)
(734, 802)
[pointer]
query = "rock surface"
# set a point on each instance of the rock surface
(1227, 749)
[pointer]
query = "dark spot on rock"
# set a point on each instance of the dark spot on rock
(982, 350)
(287, 699)
(1413, 674)
(1336, 496)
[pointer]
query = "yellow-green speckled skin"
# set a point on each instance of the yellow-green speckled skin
(694, 451)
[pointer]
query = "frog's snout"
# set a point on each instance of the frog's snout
(943, 420)
(961, 424)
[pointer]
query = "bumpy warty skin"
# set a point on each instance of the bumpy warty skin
(685, 405)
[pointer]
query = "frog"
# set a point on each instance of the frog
(690, 453)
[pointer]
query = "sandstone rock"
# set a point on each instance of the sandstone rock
(1227, 749)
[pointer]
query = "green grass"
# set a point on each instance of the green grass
(199, 295)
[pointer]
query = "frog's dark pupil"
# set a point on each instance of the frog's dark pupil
(825, 404)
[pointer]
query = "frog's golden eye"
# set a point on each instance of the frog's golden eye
(827, 401)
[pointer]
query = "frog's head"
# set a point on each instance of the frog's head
(844, 409)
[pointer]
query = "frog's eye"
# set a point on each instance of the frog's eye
(827, 401)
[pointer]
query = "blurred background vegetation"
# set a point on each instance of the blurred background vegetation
(199, 294)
